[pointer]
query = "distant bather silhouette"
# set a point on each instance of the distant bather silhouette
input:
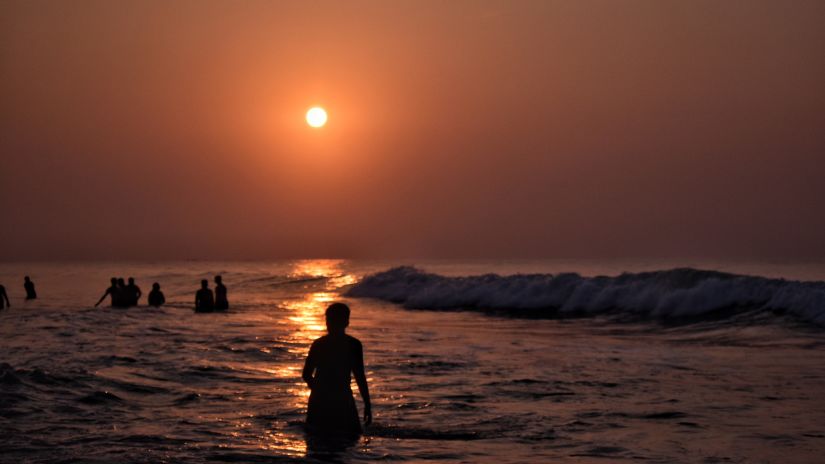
(112, 292)
(121, 296)
(221, 302)
(29, 286)
(204, 301)
(156, 297)
(331, 360)
(133, 293)
(4, 299)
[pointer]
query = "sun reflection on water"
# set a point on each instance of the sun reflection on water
(308, 313)
(281, 442)
(308, 318)
(330, 269)
(317, 267)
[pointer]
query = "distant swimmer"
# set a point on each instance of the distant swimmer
(111, 292)
(221, 302)
(156, 297)
(4, 299)
(204, 301)
(29, 286)
(121, 298)
(331, 411)
(133, 293)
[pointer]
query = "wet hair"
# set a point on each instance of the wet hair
(337, 316)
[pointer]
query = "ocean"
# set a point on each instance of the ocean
(501, 361)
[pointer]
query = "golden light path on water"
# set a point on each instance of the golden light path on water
(306, 323)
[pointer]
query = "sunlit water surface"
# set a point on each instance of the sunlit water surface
(79, 384)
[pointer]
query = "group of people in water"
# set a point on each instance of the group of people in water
(206, 301)
(123, 295)
(28, 285)
(127, 295)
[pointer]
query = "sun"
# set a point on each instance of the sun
(316, 116)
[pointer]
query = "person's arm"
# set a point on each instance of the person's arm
(361, 380)
(102, 298)
(309, 367)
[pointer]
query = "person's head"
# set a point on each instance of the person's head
(204, 283)
(337, 315)
(121, 282)
(155, 286)
(131, 281)
(114, 281)
(26, 278)
(217, 279)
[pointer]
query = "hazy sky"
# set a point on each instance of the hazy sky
(577, 129)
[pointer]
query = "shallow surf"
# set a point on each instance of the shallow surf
(79, 384)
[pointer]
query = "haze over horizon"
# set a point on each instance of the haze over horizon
(478, 129)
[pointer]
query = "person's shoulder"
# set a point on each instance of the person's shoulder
(320, 344)
(354, 341)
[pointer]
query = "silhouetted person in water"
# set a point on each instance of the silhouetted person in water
(4, 299)
(121, 299)
(156, 297)
(133, 293)
(110, 292)
(204, 301)
(332, 358)
(221, 303)
(29, 286)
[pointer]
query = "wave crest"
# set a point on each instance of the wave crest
(669, 294)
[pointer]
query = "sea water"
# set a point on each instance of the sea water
(466, 362)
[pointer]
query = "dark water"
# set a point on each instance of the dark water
(79, 384)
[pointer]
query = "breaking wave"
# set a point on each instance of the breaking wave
(672, 294)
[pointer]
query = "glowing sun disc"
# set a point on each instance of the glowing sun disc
(316, 117)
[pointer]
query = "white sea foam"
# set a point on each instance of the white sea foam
(676, 293)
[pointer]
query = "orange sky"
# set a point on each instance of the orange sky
(600, 129)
